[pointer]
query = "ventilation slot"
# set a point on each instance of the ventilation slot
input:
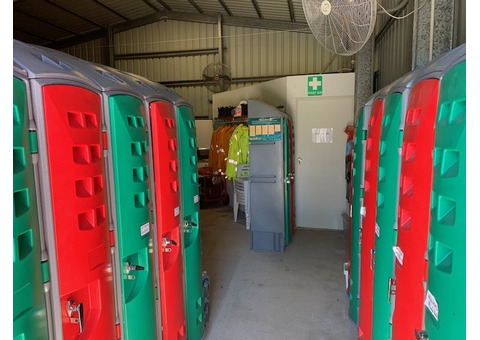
(407, 186)
(57, 63)
(110, 76)
(81, 120)
(450, 163)
(405, 219)
(25, 244)
(413, 116)
(19, 160)
(444, 113)
(21, 202)
(446, 210)
(173, 166)
(16, 116)
(142, 199)
(140, 174)
(443, 257)
(409, 152)
(457, 115)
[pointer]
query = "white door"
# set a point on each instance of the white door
(320, 165)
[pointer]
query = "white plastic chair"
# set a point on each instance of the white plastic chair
(241, 195)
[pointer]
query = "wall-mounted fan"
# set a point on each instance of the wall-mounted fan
(216, 77)
(341, 26)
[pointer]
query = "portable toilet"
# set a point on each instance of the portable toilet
(29, 307)
(415, 193)
(66, 126)
(196, 285)
(125, 144)
(164, 183)
(445, 300)
(369, 210)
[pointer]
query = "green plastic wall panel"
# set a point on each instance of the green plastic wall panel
(129, 157)
(29, 314)
(358, 155)
(187, 140)
(387, 202)
(286, 166)
(445, 315)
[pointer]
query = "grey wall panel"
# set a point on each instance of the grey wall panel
(95, 51)
(248, 52)
(393, 51)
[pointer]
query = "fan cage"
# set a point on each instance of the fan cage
(345, 28)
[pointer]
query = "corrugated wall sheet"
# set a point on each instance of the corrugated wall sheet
(393, 51)
(248, 52)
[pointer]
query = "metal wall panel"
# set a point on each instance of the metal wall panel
(95, 51)
(248, 52)
(393, 51)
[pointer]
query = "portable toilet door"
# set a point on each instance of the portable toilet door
(167, 218)
(386, 218)
(164, 182)
(67, 117)
(287, 185)
(367, 238)
(291, 175)
(195, 299)
(127, 155)
(445, 301)
(357, 203)
(29, 311)
(415, 197)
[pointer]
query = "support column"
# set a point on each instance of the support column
(432, 30)
(364, 74)
(110, 47)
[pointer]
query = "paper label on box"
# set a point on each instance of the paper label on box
(195, 199)
(431, 304)
(145, 229)
(398, 254)
(177, 211)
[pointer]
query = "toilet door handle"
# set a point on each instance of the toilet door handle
(75, 308)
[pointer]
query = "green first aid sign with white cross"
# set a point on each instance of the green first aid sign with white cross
(314, 85)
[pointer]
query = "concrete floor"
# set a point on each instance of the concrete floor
(299, 294)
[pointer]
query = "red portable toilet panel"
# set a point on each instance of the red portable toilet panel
(414, 209)
(79, 207)
(165, 165)
(368, 224)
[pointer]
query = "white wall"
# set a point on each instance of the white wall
(325, 190)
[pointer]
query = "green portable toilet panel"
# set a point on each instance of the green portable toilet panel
(29, 313)
(357, 202)
(287, 171)
(386, 220)
(187, 152)
(132, 197)
(445, 313)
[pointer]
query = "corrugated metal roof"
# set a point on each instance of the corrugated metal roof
(50, 22)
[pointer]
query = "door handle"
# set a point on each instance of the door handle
(187, 226)
(129, 267)
(166, 243)
(75, 308)
(299, 159)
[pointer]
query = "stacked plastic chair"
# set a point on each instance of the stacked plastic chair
(241, 193)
